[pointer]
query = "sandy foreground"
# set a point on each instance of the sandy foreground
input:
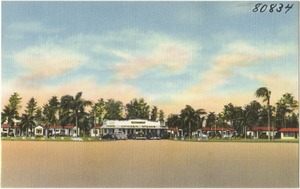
(130, 163)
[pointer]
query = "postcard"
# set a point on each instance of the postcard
(149, 94)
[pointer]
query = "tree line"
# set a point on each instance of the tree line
(73, 110)
(241, 118)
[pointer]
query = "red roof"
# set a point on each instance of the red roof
(217, 129)
(263, 129)
(96, 127)
(290, 130)
(172, 129)
(69, 126)
(60, 127)
(6, 126)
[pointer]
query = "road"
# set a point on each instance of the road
(151, 164)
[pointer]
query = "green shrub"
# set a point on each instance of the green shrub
(4, 134)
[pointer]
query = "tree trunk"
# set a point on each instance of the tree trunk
(31, 131)
(76, 123)
(8, 131)
(54, 130)
(269, 120)
(273, 132)
(84, 131)
(190, 130)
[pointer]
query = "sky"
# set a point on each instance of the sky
(204, 54)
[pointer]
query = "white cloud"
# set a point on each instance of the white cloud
(91, 91)
(235, 56)
(224, 66)
(47, 61)
(145, 51)
(154, 51)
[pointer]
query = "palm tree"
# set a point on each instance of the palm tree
(174, 121)
(97, 113)
(76, 105)
(211, 121)
(287, 104)
(249, 116)
(199, 113)
(31, 109)
(265, 94)
(220, 122)
(47, 117)
(26, 122)
(38, 115)
(247, 119)
(191, 117)
(54, 108)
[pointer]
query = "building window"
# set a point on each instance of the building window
(39, 131)
(95, 131)
(289, 134)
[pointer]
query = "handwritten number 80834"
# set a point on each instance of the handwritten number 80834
(259, 7)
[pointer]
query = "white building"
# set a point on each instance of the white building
(5, 128)
(132, 126)
(39, 131)
(289, 133)
(95, 131)
(68, 130)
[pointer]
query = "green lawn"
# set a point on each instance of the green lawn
(243, 140)
(86, 139)
(93, 139)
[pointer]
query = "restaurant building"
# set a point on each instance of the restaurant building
(132, 126)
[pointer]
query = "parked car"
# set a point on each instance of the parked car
(153, 136)
(140, 136)
(108, 136)
(165, 135)
(120, 135)
(131, 136)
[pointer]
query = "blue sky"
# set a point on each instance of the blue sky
(206, 54)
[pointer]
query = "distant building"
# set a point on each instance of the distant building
(132, 126)
(39, 131)
(68, 130)
(289, 133)
(221, 130)
(95, 131)
(257, 131)
(16, 129)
